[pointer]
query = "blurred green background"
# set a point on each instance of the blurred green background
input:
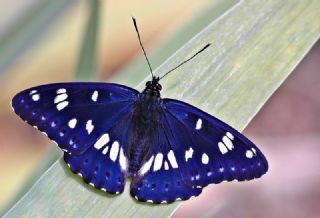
(40, 43)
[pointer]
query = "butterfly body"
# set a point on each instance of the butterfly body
(110, 132)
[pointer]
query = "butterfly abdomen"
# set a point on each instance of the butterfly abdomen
(138, 148)
(145, 118)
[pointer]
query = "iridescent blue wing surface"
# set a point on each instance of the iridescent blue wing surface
(89, 122)
(159, 179)
(207, 150)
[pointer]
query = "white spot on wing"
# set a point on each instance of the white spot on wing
(123, 160)
(227, 142)
(188, 154)
(94, 96)
(158, 162)
(60, 98)
(223, 149)
(205, 158)
(146, 167)
(114, 151)
(62, 105)
(60, 91)
(33, 92)
(254, 150)
(89, 126)
(72, 123)
(105, 150)
(199, 124)
(230, 136)
(104, 139)
(166, 165)
(35, 97)
(172, 159)
(249, 154)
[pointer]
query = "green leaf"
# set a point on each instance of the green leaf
(21, 36)
(255, 46)
(86, 67)
(137, 70)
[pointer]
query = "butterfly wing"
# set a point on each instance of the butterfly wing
(89, 122)
(207, 149)
(105, 167)
(159, 179)
(74, 115)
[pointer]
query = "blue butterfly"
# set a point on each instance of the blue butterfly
(110, 132)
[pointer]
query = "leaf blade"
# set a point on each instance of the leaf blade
(87, 66)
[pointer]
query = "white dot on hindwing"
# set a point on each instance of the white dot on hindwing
(114, 151)
(166, 165)
(172, 159)
(103, 140)
(146, 166)
(123, 160)
(105, 150)
(158, 162)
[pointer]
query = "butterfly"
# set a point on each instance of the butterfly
(110, 132)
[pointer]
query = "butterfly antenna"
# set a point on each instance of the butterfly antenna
(204, 48)
(144, 52)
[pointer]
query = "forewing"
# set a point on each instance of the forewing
(74, 115)
(159, 179)
(207, 149)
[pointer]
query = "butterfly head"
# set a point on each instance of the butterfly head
(153, 87)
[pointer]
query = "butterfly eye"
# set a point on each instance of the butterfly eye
(148, 84)
(159, 87)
